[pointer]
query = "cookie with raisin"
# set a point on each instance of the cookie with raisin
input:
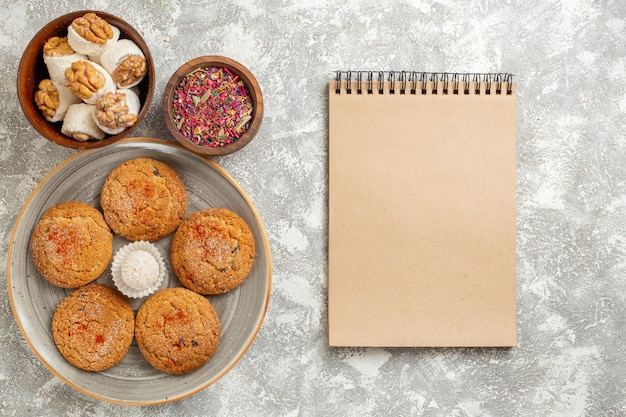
(177, 330)
(143, 199)
(213, 251)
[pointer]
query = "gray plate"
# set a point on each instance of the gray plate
(33, 299)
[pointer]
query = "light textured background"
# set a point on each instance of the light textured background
(569, 62)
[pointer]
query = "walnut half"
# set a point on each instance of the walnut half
(113, 113)
(84, 79)
(47, 98)
(56, 46)
(129, 71)
(93, 28)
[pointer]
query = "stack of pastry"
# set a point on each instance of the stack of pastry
(92, 75)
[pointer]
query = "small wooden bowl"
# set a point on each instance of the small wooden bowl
(32, 70)
(251, 85)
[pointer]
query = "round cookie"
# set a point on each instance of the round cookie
(177, 330)
(143, 199)
(93, 327)
(71, 244)
(212, 251)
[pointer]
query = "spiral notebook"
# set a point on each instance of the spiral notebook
(422, 209)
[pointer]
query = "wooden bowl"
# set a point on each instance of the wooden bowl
(252, 86)
(32, 70)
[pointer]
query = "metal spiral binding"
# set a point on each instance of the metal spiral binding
(413, 82)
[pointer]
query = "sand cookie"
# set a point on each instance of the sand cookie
(143, 199)
(93, 327)
(71, 244)
(177, 330)
(212, 251)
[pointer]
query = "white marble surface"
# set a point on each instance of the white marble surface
(569, 58)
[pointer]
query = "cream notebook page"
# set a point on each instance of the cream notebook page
(422, 211)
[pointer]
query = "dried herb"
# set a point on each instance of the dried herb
(212, 107)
